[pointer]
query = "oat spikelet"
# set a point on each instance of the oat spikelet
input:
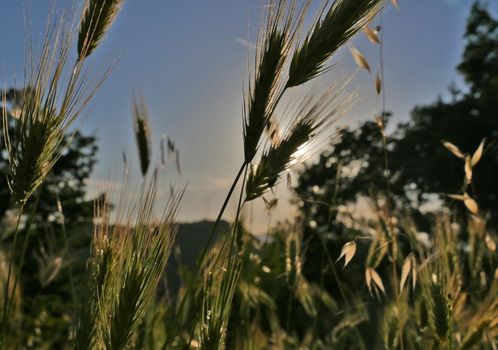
(471, 205)
(476, 157)
(453, 149)
(468, 201)
(490, 243)
(142, 132)
(380, 123)
(371, 35)
(360, 60)
(378, 84)
(270, 204)
(468, 170)
(98, 16)
(348, 251)
(373, 280)
(409, 268)
(458, 197)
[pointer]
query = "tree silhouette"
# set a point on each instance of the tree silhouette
(420, 168)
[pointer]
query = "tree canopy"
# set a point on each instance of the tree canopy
(66, 181)
(419, 167)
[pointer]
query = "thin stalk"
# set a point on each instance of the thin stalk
(66, 247)
(240, 204)
(7, 297)
(327, 254)
(25, 243)
(212, 235)
(388, 185)
(233, 245)
(322, 286)
(289, 309)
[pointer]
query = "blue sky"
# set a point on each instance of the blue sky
(187, 58)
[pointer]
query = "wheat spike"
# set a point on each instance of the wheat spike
(127, 261)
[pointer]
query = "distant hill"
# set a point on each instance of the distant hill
(190, 241)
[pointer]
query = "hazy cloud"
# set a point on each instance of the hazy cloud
(245, 43)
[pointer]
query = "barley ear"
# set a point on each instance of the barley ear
(98, 16)
(272, 50)
(334, 27)
(142, 132)
(276, 160)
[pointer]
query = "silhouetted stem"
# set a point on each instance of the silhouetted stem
(7, 297)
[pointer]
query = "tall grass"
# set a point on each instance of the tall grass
(244, 293)
(56, 91)
(127, 262)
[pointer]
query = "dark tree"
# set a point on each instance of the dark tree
(419, 166)
(65, 182)
(45, 278)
